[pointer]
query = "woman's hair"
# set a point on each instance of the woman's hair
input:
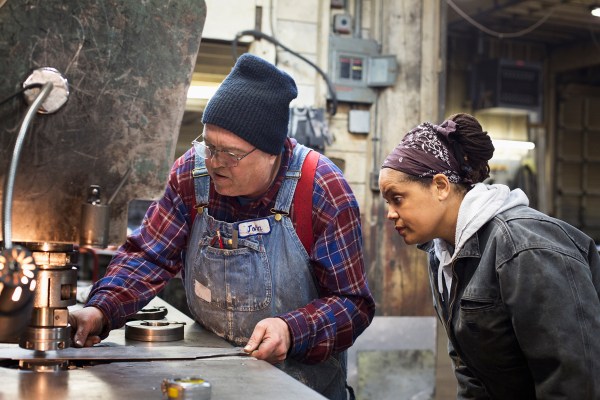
(472, 149)
(476, 147)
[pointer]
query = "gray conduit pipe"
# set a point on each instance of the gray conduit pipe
(14, 162)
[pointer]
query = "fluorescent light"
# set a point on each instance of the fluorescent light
(510, 150)
(513, 145)
(201, 92)
(595, 10)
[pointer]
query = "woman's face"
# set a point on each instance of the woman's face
(417, 211)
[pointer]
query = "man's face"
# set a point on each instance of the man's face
(250, 178)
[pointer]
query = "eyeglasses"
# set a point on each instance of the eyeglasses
(228, 160)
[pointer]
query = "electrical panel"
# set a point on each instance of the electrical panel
(509, 84)
(356, 67)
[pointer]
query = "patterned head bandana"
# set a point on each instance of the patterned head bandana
(428, 150)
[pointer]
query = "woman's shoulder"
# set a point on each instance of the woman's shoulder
(525, 228)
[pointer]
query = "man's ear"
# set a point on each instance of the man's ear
(441, 185)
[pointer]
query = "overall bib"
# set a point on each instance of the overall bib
(231, 288)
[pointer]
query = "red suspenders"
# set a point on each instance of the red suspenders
(303, 200)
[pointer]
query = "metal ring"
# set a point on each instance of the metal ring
(154, 331)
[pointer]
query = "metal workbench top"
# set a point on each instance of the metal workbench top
(231, 376)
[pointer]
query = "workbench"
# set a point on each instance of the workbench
(200, 354)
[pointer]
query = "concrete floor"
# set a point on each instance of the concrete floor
(445, 382)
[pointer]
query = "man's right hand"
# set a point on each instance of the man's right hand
(86, 326)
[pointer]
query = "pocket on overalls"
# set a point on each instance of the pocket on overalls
(236, 279)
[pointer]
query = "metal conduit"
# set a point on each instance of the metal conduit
(14, 162)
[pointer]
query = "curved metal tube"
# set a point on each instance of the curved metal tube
(12, 171)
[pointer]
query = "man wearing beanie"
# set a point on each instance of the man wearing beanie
(261, 268)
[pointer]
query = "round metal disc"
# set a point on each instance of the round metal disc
(154, 331)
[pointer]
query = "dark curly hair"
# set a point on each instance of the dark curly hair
(475, 144)
(473, 151)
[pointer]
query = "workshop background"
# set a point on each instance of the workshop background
(367, 72)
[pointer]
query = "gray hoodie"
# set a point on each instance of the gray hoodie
(482, 203)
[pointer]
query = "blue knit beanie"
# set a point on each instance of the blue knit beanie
(253, 102)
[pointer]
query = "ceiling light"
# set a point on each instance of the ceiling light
(595, 10)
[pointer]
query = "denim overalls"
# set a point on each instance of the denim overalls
(231, 288)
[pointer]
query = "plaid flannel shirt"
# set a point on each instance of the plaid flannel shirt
(156, 252)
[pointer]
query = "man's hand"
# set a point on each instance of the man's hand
(86, 326)
(270, 340)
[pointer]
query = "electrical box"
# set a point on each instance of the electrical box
(342, 23)
(356, 67)
(359, 121)
(507, 84)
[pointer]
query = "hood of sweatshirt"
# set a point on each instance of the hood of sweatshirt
(482, 203)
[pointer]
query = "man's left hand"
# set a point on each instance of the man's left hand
(270, 340)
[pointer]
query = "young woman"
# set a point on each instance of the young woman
(517, 291)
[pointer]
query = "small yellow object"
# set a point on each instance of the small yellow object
(173, 393)
(277, 217)
(186, 388)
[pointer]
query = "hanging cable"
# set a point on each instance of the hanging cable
(500, 35)
(26, 88)
(260, 35)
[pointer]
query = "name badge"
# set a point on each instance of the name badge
(255, 227)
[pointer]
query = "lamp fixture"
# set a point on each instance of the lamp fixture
(595, 10)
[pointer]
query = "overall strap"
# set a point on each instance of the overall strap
(201, 185)
(299, 171)
(285, 196)
(303, 200)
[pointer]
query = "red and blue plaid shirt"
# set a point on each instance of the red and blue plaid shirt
(156, 252)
